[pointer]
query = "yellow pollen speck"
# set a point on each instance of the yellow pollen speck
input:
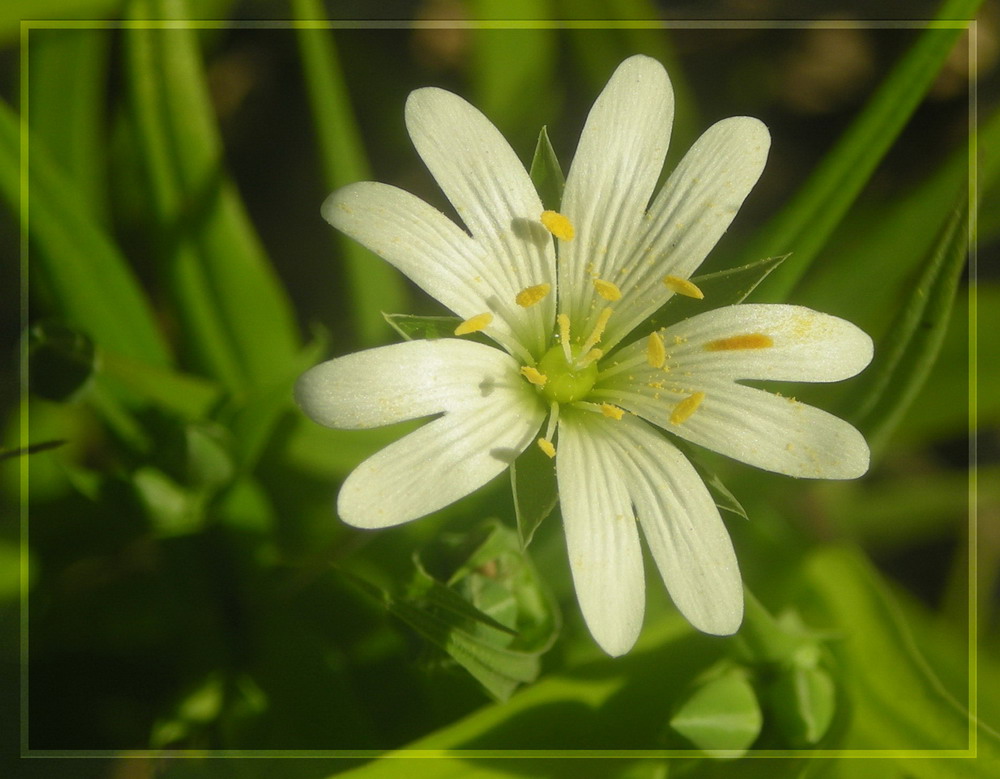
(531, 295)
(607, 290)
(534, 375)
(686, 408)
(558, 225)
(612, 412)
(747, 341)
(683, 287)
(656, 352)
(474, 324)
(546, 446)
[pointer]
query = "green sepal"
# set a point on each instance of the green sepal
(536, 493)
(722, 714)
(416, 328)
(546, 174)
(722, 288)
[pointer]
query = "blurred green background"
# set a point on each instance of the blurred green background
(186, 583)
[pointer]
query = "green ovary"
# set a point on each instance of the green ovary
(566, 382)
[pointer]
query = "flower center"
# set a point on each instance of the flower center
(566, 380)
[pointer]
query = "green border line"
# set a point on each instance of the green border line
(889, 753)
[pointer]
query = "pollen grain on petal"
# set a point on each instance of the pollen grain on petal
(534, 375)
(546, 446)
(683, 287)
(612, 412)
(474, 324)
(607, 290)
(558, 225)
(656, 352)
(738, 342)
(683, 410)
(530, 295)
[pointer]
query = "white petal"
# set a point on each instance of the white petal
(755, 427)
(682, 526)
(689, 215)
(493, 195)
(409, 380)
(441, 462)
(601, 536)
(432, 250)
(612, 177)
(805, 344)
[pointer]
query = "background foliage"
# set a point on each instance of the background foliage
(185, 582)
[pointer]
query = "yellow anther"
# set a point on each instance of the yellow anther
(612, 412)
(546, 446)
(656, 352)
(735, 342)
(474, 324)
(558, 225)
(598, 331)
(589, 357)
(531, 295)
(563, 321)
(683, 410)
(533, 375)
(683, 287)
(607, 290)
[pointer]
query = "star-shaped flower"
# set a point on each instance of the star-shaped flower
(559, 293)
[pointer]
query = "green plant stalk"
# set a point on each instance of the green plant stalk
(374, 286)
(806, 224)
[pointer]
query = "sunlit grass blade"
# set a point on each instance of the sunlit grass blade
(806, 224)
(66, 104)
(374, 286)
(73, 261)
(229, 287)
(914, 339)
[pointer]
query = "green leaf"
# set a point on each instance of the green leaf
(802, 702)
(373, 285)
(806, 224)
(915, 337)
(183, 394)
(533, 481)
(86, 280)
(721, 288)
(414, 328)
(67, 76)
(60, 360)
(234, 313)
(546, 174)
(721, 715)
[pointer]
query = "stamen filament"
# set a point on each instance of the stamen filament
(474, 324)
(595, 336)
(563, 321)
(589, 357)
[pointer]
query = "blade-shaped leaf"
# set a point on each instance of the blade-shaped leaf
(806, 224)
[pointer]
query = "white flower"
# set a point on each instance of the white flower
(559, 292)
